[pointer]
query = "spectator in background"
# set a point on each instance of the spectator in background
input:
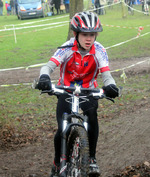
(67, 2)
(142, 2)
(57, 5)
(102, 3)
(8, 8)
(1, 7)
(110, 2)
(51, 6)
(97, 6)
(130, 5)
(92, 6)
(45, 5)
(16, 7)
(62, 6)
(12, 4)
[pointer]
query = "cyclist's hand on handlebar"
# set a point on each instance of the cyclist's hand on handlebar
(44, 83)
(111, 91)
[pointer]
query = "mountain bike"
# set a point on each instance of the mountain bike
(74, 161)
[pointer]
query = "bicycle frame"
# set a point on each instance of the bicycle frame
(73, 119)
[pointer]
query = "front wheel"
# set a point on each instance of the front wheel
(78, 153)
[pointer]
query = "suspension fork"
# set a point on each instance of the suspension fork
(66, 127)
(63, 158)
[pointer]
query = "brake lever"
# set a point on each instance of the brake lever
(108, 98)
(50, 92)
(119, 95)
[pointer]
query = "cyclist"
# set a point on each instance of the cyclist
(81, 59)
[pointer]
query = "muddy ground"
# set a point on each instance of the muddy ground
(124, 142)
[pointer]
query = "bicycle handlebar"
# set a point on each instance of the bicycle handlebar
(59, 90)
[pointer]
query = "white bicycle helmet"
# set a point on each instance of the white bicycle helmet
(86, 22)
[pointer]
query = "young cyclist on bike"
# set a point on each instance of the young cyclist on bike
(81, 59)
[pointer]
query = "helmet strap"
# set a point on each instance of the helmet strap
(79, 42)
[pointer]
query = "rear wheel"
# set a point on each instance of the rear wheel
(78, 153)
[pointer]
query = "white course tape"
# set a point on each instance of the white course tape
(123, 75)
(41, 64)
(31, 66)
(25, 27)
(135, 9)
(105, 6)
(30, 84)
(128, 40)
(127, 67)
(29, 23)
(52, 27)
(8, 69)
(8, 85)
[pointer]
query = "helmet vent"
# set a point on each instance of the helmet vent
(86, 22)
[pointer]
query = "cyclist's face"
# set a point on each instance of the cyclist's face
(86, 40)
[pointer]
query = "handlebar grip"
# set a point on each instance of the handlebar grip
(99, 94)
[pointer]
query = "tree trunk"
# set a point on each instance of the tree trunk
(75, 6)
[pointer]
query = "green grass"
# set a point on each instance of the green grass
(35, 45)
(24, 104)
(32, 47)
(23, 107)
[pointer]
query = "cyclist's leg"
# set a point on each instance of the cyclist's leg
(90, 109)
(62, 106)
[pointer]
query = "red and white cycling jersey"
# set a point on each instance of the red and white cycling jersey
(78, 70)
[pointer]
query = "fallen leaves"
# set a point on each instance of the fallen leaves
(12, 138)
(139, 170)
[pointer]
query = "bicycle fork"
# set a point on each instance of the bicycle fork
(63, 158)
(67, 127)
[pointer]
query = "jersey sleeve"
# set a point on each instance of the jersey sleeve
(62, 54)
(102, 57)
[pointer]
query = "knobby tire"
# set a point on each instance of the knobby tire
(78, 153)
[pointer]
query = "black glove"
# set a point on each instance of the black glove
(111, 91)
(44, 82)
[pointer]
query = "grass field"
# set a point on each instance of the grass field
(23, 107)
(35, 43)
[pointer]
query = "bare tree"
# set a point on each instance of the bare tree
(75, 6)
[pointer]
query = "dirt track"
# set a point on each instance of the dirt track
(27, 76)
(123, 141)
